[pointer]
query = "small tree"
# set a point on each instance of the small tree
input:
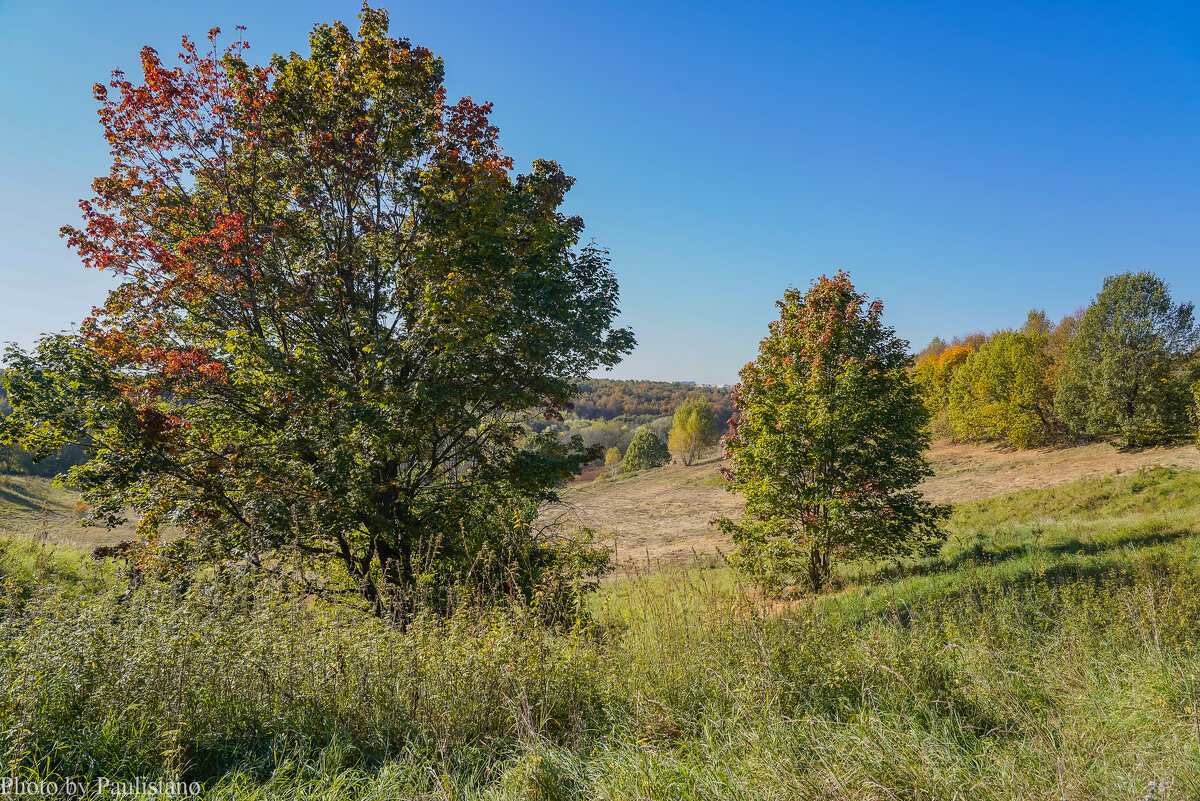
(612, 459)
(693, 428)
(828, 445)
(645, 451)
(1129, 368)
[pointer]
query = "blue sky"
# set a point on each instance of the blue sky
(965, 161)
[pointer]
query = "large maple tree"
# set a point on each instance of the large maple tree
(337, 302)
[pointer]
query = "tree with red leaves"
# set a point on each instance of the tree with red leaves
(336, 306)
(829, 440)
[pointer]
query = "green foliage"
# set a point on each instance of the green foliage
(694, 428)
(644, 452)
(999, 387)
(612, 459)
(1043, 653)
(828, 445)
(1129, 368)
(337, 309)
(16, 459)
(604, 433)
(1196, 409)
(1000, 392)
(932, 373)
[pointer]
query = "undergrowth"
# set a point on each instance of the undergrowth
(1049, 651)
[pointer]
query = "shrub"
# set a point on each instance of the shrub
(645, 451)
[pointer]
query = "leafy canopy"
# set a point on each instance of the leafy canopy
(1000, 393)
(1130, 365)
(644, 452)
(829, 440)
(933, 372)
(336, 306)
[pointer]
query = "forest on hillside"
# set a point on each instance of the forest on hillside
(607, 398)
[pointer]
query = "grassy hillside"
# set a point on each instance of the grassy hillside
(656, 517)
(32, 507)
(661, 517)
(1049, 651)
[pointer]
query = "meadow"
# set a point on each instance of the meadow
(1048, 651)
(343, 349)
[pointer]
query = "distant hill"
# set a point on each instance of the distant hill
(608, 399)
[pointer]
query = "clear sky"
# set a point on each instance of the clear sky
(965, 161)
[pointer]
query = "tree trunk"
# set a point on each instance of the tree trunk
(398, 580)
(818, 567)
(359, 569)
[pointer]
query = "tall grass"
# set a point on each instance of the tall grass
(1054, 657)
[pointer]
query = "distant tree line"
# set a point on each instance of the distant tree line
(1124, 368)
(690, 431)
(608, 399)
(639, 442)
(608, 413)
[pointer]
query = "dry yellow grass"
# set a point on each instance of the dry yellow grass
(661, 517)
(972, 472)
(33, 507)
(654, 517)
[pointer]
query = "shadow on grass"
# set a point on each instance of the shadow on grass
(19, 496)
(1103, 573)
(980, 555)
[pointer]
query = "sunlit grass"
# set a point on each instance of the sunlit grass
(1050, 650)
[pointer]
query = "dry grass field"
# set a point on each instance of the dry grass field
(654, 517)
(661, 517)
(33, 507)
(972, 472)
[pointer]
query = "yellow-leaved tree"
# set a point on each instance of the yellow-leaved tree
(693, 429)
